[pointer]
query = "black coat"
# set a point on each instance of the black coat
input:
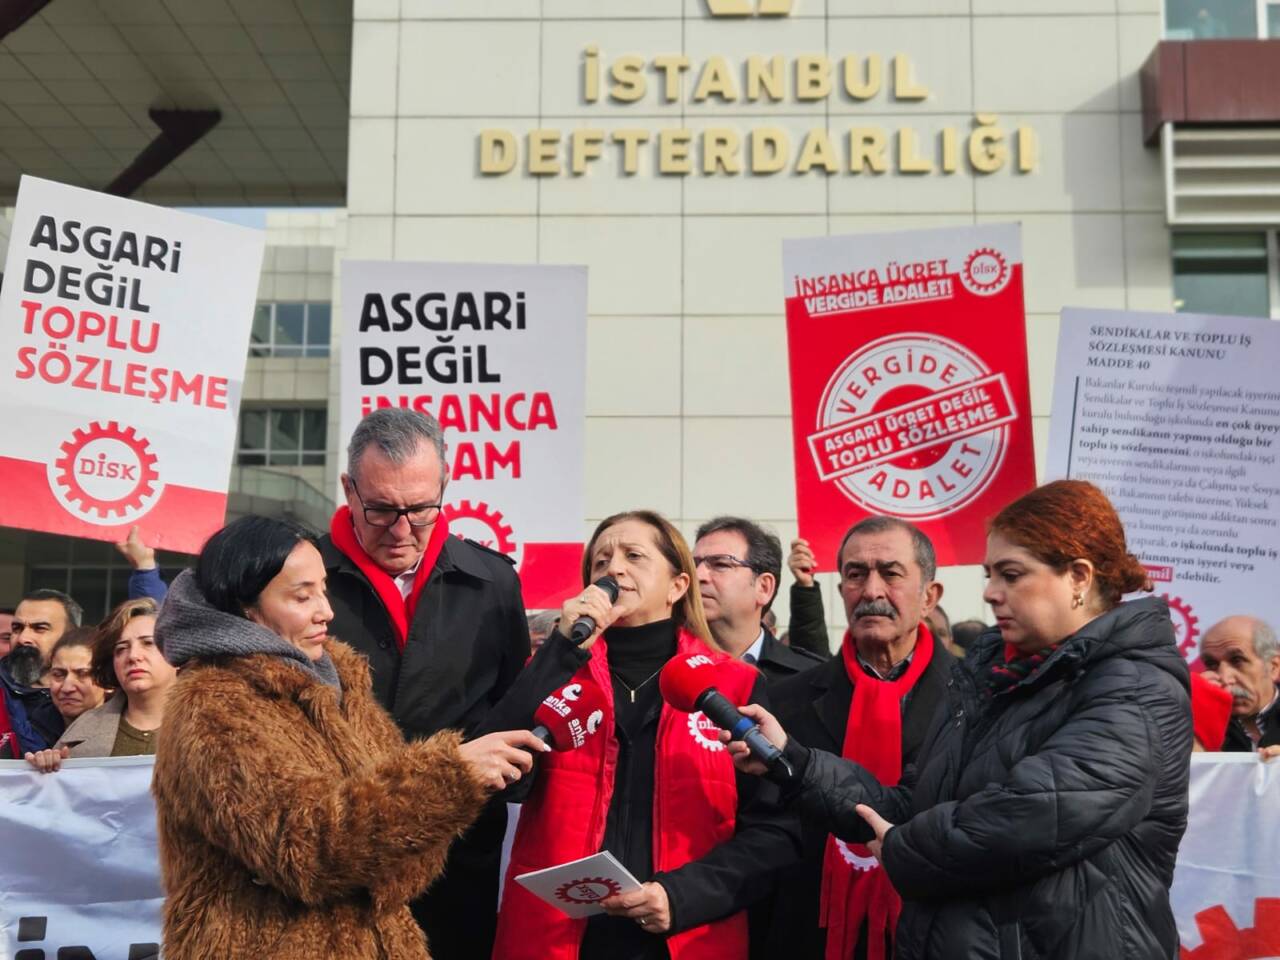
(777, 661)
(813, 708)
(1043, 822)
(808, 627)
(462, 668)
(1237, 739)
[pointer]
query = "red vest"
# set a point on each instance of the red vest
(695, 801)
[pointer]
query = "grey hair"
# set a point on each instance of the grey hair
(1265, 644)
(542, 622)
(921, 545)
(397, 433)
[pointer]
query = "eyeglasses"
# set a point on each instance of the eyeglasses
(721, 562)
(419, 515)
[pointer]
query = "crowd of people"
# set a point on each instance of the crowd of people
(341, 722)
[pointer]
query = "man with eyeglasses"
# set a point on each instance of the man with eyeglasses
(739, 564)
(442, 622)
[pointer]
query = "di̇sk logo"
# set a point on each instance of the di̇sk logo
(105, 474)
(589, 890)
(486, 526)
(1186, 627)
(863, 864)
(706, 733)
(912, 425)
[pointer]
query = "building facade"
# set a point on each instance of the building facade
(671, 145)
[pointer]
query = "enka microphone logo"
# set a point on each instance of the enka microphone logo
(749, 8)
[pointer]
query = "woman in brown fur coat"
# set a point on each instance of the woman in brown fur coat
(294, 822)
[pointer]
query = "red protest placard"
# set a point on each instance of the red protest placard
(909, 393)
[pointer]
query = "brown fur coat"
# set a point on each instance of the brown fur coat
(295, 828)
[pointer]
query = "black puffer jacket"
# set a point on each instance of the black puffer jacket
(1044, 822)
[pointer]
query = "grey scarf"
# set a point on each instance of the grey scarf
(189, 628)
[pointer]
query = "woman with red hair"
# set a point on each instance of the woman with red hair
(1045, 814)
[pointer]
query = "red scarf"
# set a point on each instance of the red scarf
(8, 738)
(854, 885)
(399, 608)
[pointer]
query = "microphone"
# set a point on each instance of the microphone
(688, 684)
(567, 717)
(585, 626)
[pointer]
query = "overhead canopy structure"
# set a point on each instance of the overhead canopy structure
(85, 83)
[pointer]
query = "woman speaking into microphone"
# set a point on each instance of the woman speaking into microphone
(658, 790)
(1044, 816)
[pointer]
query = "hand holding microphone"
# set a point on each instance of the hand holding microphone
(584, 617)
(688, 684)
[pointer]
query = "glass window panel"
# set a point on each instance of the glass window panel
(286, 430)
(89, 587)
(253, 429)
(283, 458)
(48, 578)
(314, 427)
(1273, 21)
(289, 326)
(1210, 19)
(252, 459)
(318, 324)
(313, 459)
(1221, 273)
(260, 335)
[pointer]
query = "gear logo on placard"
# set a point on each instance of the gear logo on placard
(985, 272)
(590, 890)
(863, 864)
(1221, 939)
(913, 425)
(105, 474)
(1186, 626)
(706, 733)
(486, 526)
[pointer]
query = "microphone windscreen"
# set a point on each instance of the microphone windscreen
(572, 714)
(609, 586)
(685, 678)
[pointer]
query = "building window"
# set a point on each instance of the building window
(282, 436)
(1218, 19)
(1223, 273)
(93, 573)
(290, 330)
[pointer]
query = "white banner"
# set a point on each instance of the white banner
(1226, 889)
(497, 354)
(80, 869)
(1177, 418)
(124, 331)
(79, 866)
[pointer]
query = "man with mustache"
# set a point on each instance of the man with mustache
(1241, 655)
(874, 702)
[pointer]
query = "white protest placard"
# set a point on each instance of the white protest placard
(80, 867)
(124, 330)
(577, 887)
(497, 354)
(1226, 887)
(1177, 418)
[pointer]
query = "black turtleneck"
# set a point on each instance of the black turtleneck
(637, 653)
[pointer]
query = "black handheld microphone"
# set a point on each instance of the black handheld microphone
(585, 626)
(687, 683)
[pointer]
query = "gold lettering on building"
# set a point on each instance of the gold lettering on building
(983, 148)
